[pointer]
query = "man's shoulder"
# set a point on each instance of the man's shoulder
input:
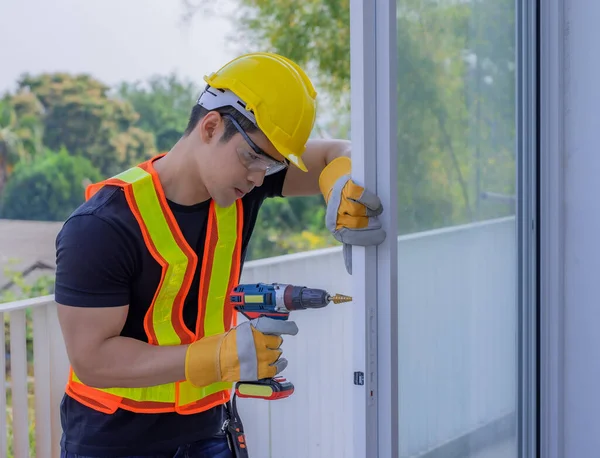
(107, 209)
(96, 252)
(107, 202)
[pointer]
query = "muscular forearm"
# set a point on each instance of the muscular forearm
(125, 362)
(319, 153)
(340, 148)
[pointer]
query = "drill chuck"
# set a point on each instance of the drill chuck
(300, 298)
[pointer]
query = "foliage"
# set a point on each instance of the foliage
(163, 103)
(49, 188)
(289, 225)
(19, 136)
(449, 78)
(80, 116)
(22, 289)
(29, 112)
(314, 32)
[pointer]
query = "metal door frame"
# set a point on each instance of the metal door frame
(375, 269)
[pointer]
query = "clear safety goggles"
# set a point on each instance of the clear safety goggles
(256, 160)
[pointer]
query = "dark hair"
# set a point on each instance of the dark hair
(198, 112)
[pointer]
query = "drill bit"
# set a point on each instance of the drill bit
(339, 298)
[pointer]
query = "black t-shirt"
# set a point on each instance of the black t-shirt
(102, 261)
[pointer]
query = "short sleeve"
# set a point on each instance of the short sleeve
(94, 264)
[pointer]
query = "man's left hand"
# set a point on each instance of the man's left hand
(352, 211)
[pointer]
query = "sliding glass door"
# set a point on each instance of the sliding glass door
(444, 129)
(457, 294)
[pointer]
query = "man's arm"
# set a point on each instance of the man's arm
(318, 154)
(95, 264)
(102, 358)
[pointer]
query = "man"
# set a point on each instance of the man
(143, 266)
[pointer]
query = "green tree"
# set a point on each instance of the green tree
(20, 133)
(30, 129)
(313, 33)
(290, 225)
(163, 103)
(10, 144)
(80, 116)
(49, 188)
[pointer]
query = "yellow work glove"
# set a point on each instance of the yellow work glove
(248, 352)
(352, 211)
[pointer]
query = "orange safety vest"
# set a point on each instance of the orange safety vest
(163, 322)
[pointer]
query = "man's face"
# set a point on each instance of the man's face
(231, 170)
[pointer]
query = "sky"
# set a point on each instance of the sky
(114, 40)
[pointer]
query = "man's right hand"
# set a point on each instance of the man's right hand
(248, 352)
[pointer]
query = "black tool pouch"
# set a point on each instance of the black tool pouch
(235, 431)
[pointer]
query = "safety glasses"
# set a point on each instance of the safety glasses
(256, 160)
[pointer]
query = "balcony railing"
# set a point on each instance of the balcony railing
(40, 394)
(457, 334)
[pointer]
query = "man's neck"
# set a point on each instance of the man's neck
(179, 176)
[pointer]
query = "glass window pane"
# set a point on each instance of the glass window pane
(457, 248)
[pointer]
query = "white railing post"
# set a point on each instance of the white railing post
(59, 372)
(18, 378)
(41, 371)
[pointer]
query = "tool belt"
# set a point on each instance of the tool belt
(234, 430)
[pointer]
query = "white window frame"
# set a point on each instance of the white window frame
(375, 269)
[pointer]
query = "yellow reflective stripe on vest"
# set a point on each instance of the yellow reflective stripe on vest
(159, 393)
(226, 223)
(189, 393)
(161, 236)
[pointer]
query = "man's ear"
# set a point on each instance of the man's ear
(210, 127)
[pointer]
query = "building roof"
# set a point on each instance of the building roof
(25, 244)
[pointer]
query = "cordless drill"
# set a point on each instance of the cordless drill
(275, 300)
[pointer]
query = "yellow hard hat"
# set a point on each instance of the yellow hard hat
(274, 93)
